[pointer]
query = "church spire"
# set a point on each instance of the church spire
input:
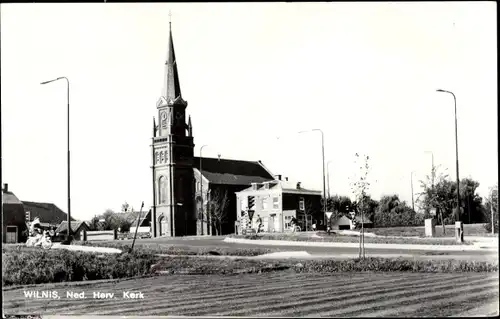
(171, 86)
(190, 126)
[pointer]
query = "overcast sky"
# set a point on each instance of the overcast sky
(364, 73)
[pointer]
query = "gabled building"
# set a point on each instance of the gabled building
(223, 177)
(49, 214)
(14, 228)
(77, 229)
(276, 202)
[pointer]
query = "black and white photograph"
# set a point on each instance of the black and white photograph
(260, 159)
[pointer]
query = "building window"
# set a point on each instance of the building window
(264, 203)
(302, 205)
(288, 221)
(162, 190)
(276, 203)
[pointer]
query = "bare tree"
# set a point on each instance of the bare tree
(219, 201)
(359, 188)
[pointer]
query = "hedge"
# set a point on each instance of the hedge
(47, 266)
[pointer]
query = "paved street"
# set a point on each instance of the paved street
(218, 242)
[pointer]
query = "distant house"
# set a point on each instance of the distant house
(276, 202)
(367, 223)
(49, 214)
(342, 223)
(132, 217)
(77, 228)
(14, 228)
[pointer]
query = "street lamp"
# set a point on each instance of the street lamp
(201, 190)
(411, 181)
(69, 175)
(323, 163)
(456, 150)
(328, 176)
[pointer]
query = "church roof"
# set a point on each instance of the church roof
(232, 172)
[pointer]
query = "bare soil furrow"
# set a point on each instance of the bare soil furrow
(353, 298)
(153, 288)
(367, 304)
(258, 292)
(454, 306)
(249, 306)
(429, 307)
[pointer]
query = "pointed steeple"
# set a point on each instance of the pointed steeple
(190, 127)
(171, 86)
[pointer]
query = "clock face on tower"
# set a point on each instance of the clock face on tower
(165, 118)
(178, 115)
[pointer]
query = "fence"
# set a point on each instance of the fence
(99, 235)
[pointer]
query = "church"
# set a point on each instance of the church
(184, 185)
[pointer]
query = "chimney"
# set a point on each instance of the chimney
(5, 187)
(278, 177)
(298, 185)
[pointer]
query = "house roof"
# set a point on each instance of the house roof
(9, 198)
(131, 217)
(47, 212)
(232, 172)
(343, 220)
(285, 187)
(366, 220)
(75, 225)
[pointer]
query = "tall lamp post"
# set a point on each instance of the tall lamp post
(456, 150)
(201, 190)
(328, 176)
(412, 200)
(69, 238)
(323, 163)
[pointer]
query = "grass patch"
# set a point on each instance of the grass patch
(353, 239)
(26, 267)
(159, 248)
(469, 230)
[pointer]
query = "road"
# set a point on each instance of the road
(284, 293)
(218, 242)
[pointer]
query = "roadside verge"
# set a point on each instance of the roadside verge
(267, 242)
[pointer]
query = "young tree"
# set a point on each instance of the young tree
(219, 201)
(435, 195)
(491, 208)
(359, 188)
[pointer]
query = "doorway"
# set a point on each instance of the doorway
(163, 226)
(11, 235)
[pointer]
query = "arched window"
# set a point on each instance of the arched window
(162, 190)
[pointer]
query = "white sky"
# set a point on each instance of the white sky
(364, 73)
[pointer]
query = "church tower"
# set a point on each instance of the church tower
(173, 211)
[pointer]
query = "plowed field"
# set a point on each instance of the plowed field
(274, 294)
